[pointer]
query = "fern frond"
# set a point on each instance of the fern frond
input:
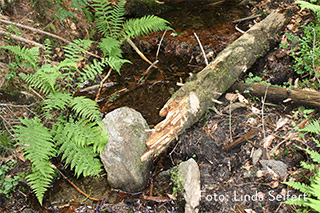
(315, 156)
(313, 127)
(57, 100)
(110, 47)
(93, 69)
(306, 5)
(47, 51)
(116, 63)
(40, 180)
(300, 186)
(31, 55)
(75, 139)
(74, 49)
(117, 19)
(310, 166)
(144, 25)
(44, 79)
(85, 108)
(103, 16)
(38, 147)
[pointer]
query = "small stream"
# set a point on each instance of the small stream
(179, 57)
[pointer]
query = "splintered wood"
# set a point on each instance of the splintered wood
(176, 113)
(191, 101)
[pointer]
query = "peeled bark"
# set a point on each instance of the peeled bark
(191, 101)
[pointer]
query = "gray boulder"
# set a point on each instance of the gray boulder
(121, 157)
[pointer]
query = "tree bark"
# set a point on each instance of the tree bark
(280, 95)
(191, 101)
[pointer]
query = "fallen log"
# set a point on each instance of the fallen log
(280, 95)
(191, 101)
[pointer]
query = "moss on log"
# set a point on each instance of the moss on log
(191, 101)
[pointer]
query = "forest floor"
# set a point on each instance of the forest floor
(232, 180)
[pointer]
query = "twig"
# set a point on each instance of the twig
(247, 18)
(264, 149)
(147, 71)
(230, 129)
(237, 28)
(101, 84)
(314, 68)
(41, 32)
(37, 94)
(202, 50)
(35, 30)
(79, 190)
(141, 54)
(20, 38)
(160, 44)
(97, 86)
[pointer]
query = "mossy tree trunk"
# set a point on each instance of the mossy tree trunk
(191, 101)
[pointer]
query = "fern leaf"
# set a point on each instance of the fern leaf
(73, 50)
(75, 139)
(93, 69)
(144, 25)
(40, 180)
(38, 147)
(310, 167)
(116, 63)
(31, 55)
(313, 127)
(110, 47)
(300, 186)
(315, 186)
(47, 51)
(103, 16)
(117, 19)
(57, 101)
(306, 5)
(315, 156)
(44, 79)
(85, 108)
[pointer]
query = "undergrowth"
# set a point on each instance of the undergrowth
(312, 190)
(70, 126)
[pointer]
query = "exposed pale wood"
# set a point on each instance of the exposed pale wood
(191, 101)
(280, 95)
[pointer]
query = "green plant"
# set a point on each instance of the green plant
(7, 183)
(315, 8)
(76, 133)
(111, 23)
(176, 181)
(313, 189)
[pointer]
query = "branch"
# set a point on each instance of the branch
(20, 38)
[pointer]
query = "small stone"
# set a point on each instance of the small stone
(277, 166)
(190, 173)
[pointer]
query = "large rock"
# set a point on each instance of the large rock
(121, 157)
(189, 170)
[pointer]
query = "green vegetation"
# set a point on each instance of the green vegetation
(311, 190)
(75, 130)
(306, 50)
(176, 181)
(7, 183)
